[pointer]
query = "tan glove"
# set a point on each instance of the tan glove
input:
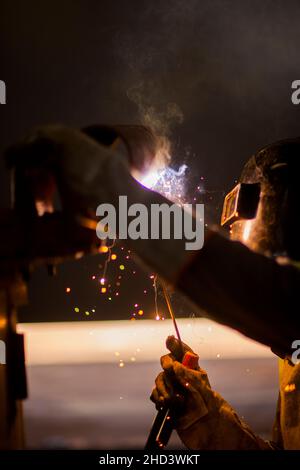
(203, 419)
(87, 173)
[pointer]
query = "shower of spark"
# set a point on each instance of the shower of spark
(170, 183)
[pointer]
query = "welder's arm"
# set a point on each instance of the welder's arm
(202, 418)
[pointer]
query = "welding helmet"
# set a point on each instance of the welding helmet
(262, 210)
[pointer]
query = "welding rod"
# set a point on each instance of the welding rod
(162, 426)
(171, 312)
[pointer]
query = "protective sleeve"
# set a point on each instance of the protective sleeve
(223, 430)
(246, 291)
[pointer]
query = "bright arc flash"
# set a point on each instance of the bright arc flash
(150, 180)
(168, 182)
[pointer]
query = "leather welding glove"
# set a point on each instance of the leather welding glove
(203, 419)
(92, 167)
(82, 161)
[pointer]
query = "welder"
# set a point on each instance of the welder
(249, 283)
(253, 287)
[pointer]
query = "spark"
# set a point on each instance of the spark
(290, 388)
(68, 290)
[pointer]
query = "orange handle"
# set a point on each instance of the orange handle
(190, 360)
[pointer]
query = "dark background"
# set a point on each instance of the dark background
(215, 75)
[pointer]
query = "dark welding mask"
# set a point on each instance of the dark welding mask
(262, 210)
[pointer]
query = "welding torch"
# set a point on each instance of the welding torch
(163, 423)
